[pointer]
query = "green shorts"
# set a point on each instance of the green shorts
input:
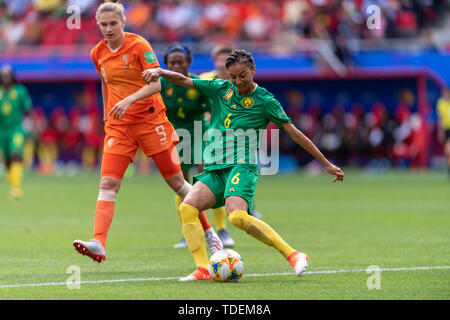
(238, 180)
(12, 141)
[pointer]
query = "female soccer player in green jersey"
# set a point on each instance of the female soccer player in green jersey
(15, 102)
(230, 178)
(185, 108)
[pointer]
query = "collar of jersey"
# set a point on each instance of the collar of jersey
(245, 95)
(117, 49)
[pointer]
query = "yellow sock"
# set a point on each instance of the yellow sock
(178, 202)
(193, 233)
(220, 216)
(15, 175)
(260, 231)
(8, 176)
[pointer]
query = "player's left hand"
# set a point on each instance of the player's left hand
(334, 170)
(118, 111)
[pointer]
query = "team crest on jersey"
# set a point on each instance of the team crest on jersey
(6, 108)
(13, 94)
(169, 92)
(18, 140)
(247, 102)
(228, 94)
(125, 58)
(192, 94)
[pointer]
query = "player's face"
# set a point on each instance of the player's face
(6, 76)
(178, 62)
(111, 25)
(242, 77)
(446, 93)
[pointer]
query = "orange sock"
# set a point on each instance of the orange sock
(204, 221)
(104, 213)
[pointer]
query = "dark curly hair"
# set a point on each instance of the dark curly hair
(7, 69)
(240, 56)
(178, 47)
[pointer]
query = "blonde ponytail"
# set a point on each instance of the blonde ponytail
(111, 6)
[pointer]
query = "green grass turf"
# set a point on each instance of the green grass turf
(389, 219)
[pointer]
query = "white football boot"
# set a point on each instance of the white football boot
(213, 241)
(181, 244)
(298, 261)
(92, 249)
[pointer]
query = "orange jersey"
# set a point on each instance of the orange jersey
(121, 72)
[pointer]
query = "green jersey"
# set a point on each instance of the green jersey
(237, 122)
(13, 103)
(184, 105)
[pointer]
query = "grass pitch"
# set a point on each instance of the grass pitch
(398, 221)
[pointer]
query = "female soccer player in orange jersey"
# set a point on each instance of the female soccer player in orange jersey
(134, 116)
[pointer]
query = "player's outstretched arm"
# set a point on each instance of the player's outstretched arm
(151, 75)
(303, 141)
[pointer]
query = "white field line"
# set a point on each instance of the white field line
(49, 284)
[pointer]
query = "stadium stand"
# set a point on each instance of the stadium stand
(317, 56)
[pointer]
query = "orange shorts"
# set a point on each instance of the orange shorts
(152, 137)
(167, 162)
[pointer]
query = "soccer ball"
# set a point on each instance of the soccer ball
(226, 265)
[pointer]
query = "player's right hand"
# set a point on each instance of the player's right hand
(334, 170)
(151, 75)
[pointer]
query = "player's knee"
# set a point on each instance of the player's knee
(110, 183)
(235, 203)
(238, 218)
(179, 184)
(188, 213)
(181, 187)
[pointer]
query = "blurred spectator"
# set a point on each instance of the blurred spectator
(17, 8)
(373, 137)
(72, 138)
(48, 149)
(86, 6)
(349, 135)
(214, 21)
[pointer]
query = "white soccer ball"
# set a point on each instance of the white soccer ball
(226, 265)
